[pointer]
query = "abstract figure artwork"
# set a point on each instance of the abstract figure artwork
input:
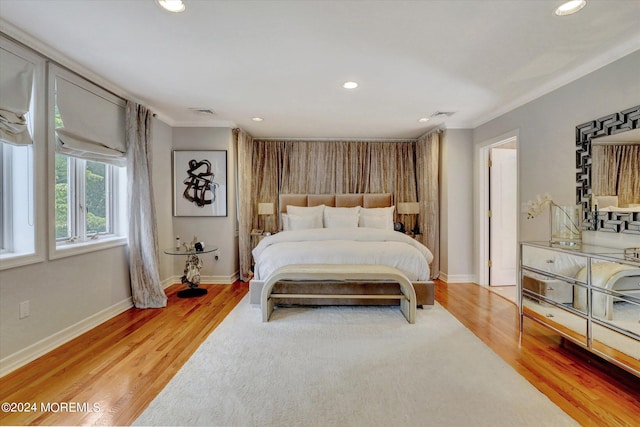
(200, 187)
(200, 183)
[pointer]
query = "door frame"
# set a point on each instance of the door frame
(481, 200)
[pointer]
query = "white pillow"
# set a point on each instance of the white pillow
(284, 221)
(341, 217)
(297, 222)
(374, 221)
(341, 221)
(304, 211)
(377, 217)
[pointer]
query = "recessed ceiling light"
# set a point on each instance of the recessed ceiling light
(257, 119)
(172, 5)
(350, 85)
(423, 119)
(570, 7)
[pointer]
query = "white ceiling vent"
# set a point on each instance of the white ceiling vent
(207, 111)
(443, 114)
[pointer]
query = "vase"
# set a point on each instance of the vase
(566, 224)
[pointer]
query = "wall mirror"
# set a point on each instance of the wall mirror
(608, 171)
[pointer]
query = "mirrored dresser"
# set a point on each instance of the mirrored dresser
(588, 294)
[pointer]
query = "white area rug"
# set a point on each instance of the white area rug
(348, 366)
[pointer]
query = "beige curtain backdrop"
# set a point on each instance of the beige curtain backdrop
(244, 144)
(408, 169)
(146, 288)
(428, 178)
(616, 172)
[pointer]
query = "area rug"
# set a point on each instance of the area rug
(348, 366)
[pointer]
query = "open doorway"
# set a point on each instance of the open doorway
(499, 224)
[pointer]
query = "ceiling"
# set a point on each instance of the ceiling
(286, 61)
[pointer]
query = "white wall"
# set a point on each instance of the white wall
(547, 138)
(216, 231)
(456, 206)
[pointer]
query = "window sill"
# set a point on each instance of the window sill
(11, 260)
(63, 250)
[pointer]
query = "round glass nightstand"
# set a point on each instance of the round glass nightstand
(192, 267)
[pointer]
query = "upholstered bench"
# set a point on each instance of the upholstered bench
(337, 273)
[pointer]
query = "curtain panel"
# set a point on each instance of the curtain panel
(146, 288)
(428, 179)
(244, 144)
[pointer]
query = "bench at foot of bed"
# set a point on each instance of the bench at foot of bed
(337, 273)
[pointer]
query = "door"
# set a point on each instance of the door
(503, 220)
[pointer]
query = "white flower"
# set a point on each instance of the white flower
(536, 207)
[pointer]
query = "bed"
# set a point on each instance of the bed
(343, 229)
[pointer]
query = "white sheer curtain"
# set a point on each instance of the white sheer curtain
(245, 214)
(146, 288)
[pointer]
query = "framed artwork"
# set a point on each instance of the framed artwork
(199, 183)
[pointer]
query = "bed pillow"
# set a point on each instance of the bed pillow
(304, 211)
(377, 218)
(314, 212)
(341, 217)
(303, 222)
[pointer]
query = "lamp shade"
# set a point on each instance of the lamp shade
(409, 208)
(266, 209)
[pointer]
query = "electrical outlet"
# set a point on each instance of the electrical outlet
(218, 254)
(24, 309)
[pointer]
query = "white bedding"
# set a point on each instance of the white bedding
(342, 246)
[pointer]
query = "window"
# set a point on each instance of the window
(86, 204)
(89, 180)
(21, 155)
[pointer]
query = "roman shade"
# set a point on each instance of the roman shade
(16, 84)
(93, 120)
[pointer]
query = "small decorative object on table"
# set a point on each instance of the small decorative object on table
(192, 267)
(564, 221)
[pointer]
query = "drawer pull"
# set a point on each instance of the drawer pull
(550, 261)
(549, 288)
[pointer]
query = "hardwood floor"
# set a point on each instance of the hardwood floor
(124, 363)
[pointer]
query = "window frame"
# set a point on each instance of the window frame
(61, 248)
(37, 124)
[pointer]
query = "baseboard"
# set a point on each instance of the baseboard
(42, 347)
(457, 278)
(219, 280)
(204, 280)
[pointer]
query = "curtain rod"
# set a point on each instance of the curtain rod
(338, 139)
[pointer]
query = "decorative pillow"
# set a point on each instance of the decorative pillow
(297, 222)
(377, 217)
(341, 217)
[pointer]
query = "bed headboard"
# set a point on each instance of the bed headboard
(366, 200)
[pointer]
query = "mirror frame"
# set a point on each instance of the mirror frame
(616, 222)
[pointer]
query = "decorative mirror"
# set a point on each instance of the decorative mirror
(618, 210)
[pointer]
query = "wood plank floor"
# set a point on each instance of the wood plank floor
(122, 364)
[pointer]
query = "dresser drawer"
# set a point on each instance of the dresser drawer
(554, 262)
(553, 289)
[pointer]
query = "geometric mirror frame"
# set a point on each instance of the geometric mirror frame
(616, 222)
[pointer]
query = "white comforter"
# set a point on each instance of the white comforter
(342, 246)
